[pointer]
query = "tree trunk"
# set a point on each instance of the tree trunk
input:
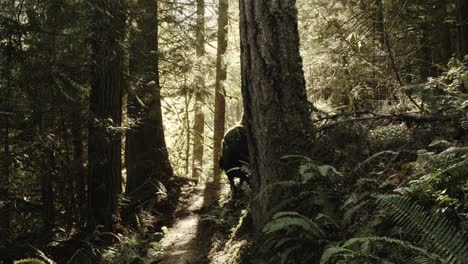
(104, 138)
(445, 46)
(5, 211)
(462, 28)
(199, 122)
(379, 23)
(5, 220)
(187, 130)
(78, 165)
(275, 100)
(221, 75)
(147, 157)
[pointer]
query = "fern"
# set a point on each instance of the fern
(436, 232)
(289, 220)
(346, 249)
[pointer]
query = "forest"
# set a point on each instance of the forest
(233, 131)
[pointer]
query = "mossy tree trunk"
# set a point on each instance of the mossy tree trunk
(274, 93)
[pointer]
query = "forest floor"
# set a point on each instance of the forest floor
(188, 241)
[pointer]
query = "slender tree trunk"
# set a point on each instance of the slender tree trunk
(379, 23)
(5, 220)
(104, 138)
(275, 100)
(221, 75)
(187, 131)
(199, 122)
(147, 157)
(79, 171)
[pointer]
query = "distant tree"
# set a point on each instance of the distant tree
(199, 122)
(108, 83)
(275, 100)
(221, 75)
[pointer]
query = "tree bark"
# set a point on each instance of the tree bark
(274, 93)
(221, 75)
(5, 220)
(199, 122)
(147, 158)
(104, 138)
(462, 28)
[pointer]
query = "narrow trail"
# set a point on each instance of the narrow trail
(186, 241)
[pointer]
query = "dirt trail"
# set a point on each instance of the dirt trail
(185, 241)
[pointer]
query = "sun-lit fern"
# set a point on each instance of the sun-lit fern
(357, 248)
(435, 233)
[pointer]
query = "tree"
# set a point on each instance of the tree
(461, 7)
(5, 84)
(199, 122)
(107, 86)
(275, 100)
(147, 158)
(221, 75)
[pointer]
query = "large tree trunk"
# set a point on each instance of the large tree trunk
(199, 122)
(104, 138)
(275, 100)
(147, 157)
(221, 75)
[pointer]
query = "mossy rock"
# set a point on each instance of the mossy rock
(30, 261)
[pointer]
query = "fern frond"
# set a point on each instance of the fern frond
(346, 249)
(289, 220)
(444, 239)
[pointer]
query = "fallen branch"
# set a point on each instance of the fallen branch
(410, 118)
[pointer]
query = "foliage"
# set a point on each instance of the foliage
(432, 232)
(29, 261)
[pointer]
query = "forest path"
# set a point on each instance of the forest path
(186, 241)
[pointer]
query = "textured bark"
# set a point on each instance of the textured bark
(275, 101)
(147, 158)
(104, 138)
(221, 75)
(199, 122)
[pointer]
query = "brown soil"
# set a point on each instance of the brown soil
(187, 241)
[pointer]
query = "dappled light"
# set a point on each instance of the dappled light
(233, 131)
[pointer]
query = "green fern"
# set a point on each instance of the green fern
(290, 220)
(435, 232)
(346, 250)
